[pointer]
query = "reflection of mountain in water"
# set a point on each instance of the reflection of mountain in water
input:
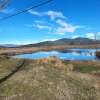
(69, 54)
(86, 52)
(64, 51)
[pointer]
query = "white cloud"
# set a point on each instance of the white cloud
(61, 31)
(18, 42)
(39, 21)
(49, 39)
(98, 33)
(8, 11)
(35, 13)
(90, 34)
(37, 25)
(54, 14)
(62, 23)
(42, 27)
(66, 27)
(75, 36)
(62, 27)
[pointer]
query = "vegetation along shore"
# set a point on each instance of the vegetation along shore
(98, 54)
(24, 50)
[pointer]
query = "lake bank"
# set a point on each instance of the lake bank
(15, 51)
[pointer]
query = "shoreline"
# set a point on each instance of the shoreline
(29, 50)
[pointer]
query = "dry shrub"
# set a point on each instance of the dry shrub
(98, 54)
(55, 62)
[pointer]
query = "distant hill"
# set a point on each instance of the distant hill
(2, 47)
(9, 45)
(64, 41)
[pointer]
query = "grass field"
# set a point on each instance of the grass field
(49, 79)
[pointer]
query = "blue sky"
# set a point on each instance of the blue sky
(55, 20)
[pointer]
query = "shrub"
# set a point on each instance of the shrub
(98, 54)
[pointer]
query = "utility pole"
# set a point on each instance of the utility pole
(96, 41)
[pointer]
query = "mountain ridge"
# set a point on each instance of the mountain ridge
(64, 41)
(8, 45)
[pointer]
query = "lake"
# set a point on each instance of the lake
(68, 54)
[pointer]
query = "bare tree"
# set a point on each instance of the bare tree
(3, 4)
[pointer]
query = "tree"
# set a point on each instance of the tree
(3, 4)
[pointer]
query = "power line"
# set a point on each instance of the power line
(26, 10)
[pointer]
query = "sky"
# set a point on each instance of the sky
(55, 20)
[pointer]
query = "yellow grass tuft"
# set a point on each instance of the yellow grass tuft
(56, 63)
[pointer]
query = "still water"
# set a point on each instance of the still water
(69, 54)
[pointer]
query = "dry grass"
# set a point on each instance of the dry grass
(24, 50)
(49, 79)
(55, 62)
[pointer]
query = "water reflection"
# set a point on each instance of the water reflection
(70, 54)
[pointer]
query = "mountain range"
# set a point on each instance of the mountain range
(64, 41)
(8, 45)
